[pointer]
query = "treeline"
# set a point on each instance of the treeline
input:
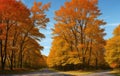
(78, 41)
(78, 37)
(112, 54)
(20, 35)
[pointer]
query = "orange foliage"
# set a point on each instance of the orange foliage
(78, 25)
(112, 54)
(19, 32)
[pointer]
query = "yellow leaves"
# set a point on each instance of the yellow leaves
(13, 10)
(117, 31)
(72, 24)
(38, 14)
(113, 65)
(73, 53)
(78, 11)
(78, 26)
(13, 48)
(67, 4)
(39, 3)
(37, 7)
(113, 49)
(113, 42)
(2, 26)
(37, 52)
(46, 6)
(2, 37)
(20, 29)
(81, 46)
(94, 2)
(89, 30)
(34, 8)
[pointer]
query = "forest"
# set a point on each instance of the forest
(78, 37)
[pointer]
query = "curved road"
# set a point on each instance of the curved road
(47, 72)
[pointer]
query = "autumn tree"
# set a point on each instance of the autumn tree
(112, 54)
(38, 21)
(78, 24)
(60, 58)
(30, 34)
(19, 32)
(9, 20)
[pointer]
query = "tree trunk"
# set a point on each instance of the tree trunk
(11, 60)
(21, 47)
(96, 63)
(20, 59)
(83, 62)
(90, 53)
(13, 50)
(1, 52)
(76, 44)
(15, 64)
(5, 47)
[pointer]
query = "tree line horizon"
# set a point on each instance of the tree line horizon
(78, 37)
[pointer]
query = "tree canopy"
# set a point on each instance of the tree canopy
(20, 35)
(78, 26)
(112, 54)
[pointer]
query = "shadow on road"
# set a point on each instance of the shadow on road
(48, 72)
(44, 72)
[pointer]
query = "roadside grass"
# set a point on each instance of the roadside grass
(52, 69)
(77, 72)
(116, 72)
(86, 72)
(24, 71)
(16, 71)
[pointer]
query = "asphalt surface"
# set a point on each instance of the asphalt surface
(46, 72)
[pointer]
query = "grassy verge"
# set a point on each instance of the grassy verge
(77, 72)
(83, 72)
(116, 72)
(24, 71)
(17, 71)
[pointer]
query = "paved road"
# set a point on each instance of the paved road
(47, 72)
(44, 72)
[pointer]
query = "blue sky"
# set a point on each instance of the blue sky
(110, 10)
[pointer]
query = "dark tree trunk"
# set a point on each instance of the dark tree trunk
(1, 52)
(96, 63)
(90, 53)
(5, 47)
(12, 57)
(20, 58)
(11, 60)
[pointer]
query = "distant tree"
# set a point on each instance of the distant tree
(113, 49)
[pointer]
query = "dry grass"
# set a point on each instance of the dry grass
(76, 72)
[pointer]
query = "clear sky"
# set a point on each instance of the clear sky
(110, 10)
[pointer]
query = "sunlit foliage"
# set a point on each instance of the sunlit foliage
(79, 27)
(113, 49)
(20, 35)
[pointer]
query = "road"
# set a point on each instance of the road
(47, 72)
